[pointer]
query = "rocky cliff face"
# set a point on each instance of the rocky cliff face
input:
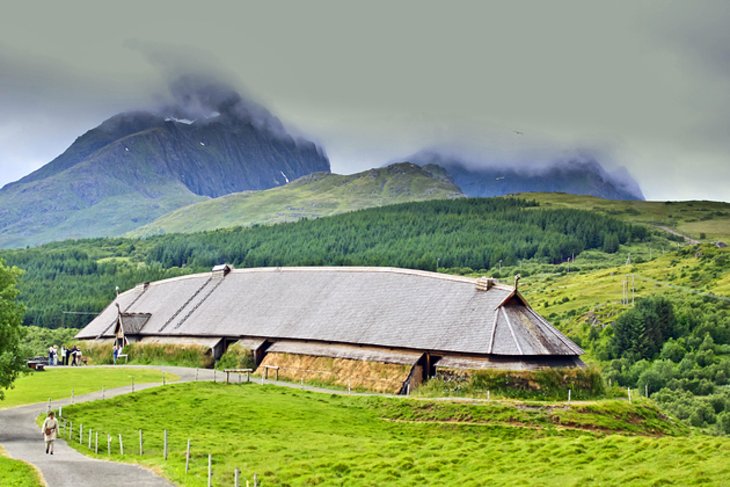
(138, 166)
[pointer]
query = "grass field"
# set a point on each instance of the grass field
(691, 218)
(57, 383)
(16, 473)
(292, 437)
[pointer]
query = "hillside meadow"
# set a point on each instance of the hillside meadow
(293, 437)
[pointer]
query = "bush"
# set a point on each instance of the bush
(236, 357)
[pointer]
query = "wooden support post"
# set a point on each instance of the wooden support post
(141, 443)
(165, 444)
(210, 470)
(121, 445)
(187, 457)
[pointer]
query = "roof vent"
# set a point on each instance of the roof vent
(485, 283)
(221, 270)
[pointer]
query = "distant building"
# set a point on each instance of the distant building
(342, 319)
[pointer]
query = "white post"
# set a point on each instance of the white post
(255, 481)
(109, 444)
(89, 439)
(646, 390)
(121, 445)
(60, 411)
(210, 470)
(236, 475)
(187, 457)
(628, 390)
(165, 444)
(569, 395)
(96, 442)
(81, 433)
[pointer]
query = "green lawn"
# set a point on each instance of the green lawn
(291, 437)
(57, 383)
(16, 473)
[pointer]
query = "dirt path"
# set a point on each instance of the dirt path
(68, 468)
(687, 239)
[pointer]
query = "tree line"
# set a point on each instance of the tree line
(64, 283)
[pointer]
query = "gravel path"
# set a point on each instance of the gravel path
(22, 439)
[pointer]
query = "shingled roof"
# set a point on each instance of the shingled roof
(367, 306)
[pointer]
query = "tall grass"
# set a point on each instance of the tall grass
(236, 356)
(544, 384)
(190, 355)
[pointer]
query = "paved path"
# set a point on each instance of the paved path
(68, 468)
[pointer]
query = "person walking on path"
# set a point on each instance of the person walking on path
(49, 429)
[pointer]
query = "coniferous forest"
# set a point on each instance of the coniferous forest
(65, 283)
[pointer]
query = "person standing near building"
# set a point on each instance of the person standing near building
(62, 354)
(49, 430)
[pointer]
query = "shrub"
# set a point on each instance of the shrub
(543, 384)
(236, 357)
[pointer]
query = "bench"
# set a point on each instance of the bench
(272, 367)
(239, 372)
(126, 357)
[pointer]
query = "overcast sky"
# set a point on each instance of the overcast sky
(643, 85)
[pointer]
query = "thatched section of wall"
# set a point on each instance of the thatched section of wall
(357, 374)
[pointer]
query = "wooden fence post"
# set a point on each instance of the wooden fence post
(81, 433)
(165, 444)
(121, 445)
(141, 443)
(70, 429)
(89, 439)
(210, 470)
(96, 442)
(236, 474)
(109, 444)
(569, 395)
(60, 411)
(187, 457)
(255, 481)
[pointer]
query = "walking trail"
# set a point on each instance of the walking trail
(22, 439)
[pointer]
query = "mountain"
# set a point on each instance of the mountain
(581, 177)
(312, 196)
(138, 166)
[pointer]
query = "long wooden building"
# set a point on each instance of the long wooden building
(396, 326)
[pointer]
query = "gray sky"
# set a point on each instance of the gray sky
(639, 84)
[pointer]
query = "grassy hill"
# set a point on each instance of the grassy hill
(311, 196)
(291, 437)
(691, 218)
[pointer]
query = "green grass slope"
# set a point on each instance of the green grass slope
(691, 218)
(17, 473)
(291, 437)
(59, 382)
(312, 196)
